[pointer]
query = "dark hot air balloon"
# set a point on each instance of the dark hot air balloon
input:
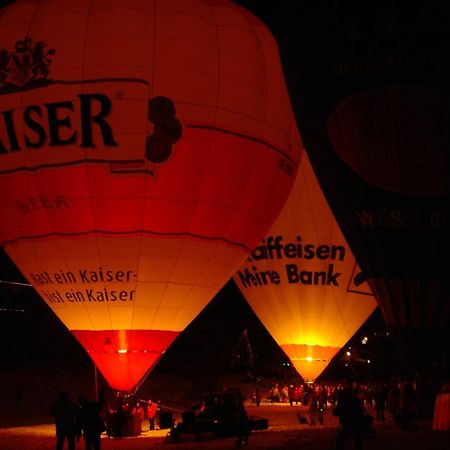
(370, 89)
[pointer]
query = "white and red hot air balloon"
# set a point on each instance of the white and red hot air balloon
(145, 149)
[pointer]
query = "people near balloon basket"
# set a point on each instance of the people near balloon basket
(90, 423)
(138, 411)
(119, 420)
(65, 412)
(125, 417)
(138, 415)
(152, 411)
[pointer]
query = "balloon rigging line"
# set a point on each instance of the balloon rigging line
(15, 283)
(132, 232)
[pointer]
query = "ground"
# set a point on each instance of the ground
(284, 433)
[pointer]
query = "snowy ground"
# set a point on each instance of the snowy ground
(284, 433)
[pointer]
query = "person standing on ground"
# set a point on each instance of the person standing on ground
(380, 398)
(257, 396)
(65, 412)
(243, 426)
(350, 411)
(313, 410)
(89, 422)
(152, 410)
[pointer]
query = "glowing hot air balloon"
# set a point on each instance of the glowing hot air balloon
(145, 148)
(302, 281)
(371, 94)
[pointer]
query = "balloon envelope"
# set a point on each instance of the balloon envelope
(303, 282)
(145, 148)
(371, 96)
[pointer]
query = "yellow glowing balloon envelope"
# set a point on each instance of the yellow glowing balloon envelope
(145, 149)
(300, 280)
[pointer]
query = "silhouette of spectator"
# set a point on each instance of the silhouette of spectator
(313, 410)
(138, 415)
(284, 394)
(276, 396)
(291, 394)
(321, 411)
(138, 411)
(257, 396)
(380, 397)
(407, 406)
(65, 412)
(89, 422)
(120, 417)
(152, 410)
(350, 411)
(393, 401)
(243, 426)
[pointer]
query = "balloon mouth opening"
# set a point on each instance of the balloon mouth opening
(310, 359)
(126, 351)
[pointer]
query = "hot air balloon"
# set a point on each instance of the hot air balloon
(303, 282)
(371, 95)
(145, 149)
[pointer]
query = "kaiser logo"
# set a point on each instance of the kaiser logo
(54, 123)
(26, 65)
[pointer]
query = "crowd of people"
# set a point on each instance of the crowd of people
(357, 405)
(405, 400)
(88, 419)
(74, 421)
(128, 416)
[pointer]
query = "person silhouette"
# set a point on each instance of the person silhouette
(350, 411)
(243, 426)
(89, 422)
(65, 412)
